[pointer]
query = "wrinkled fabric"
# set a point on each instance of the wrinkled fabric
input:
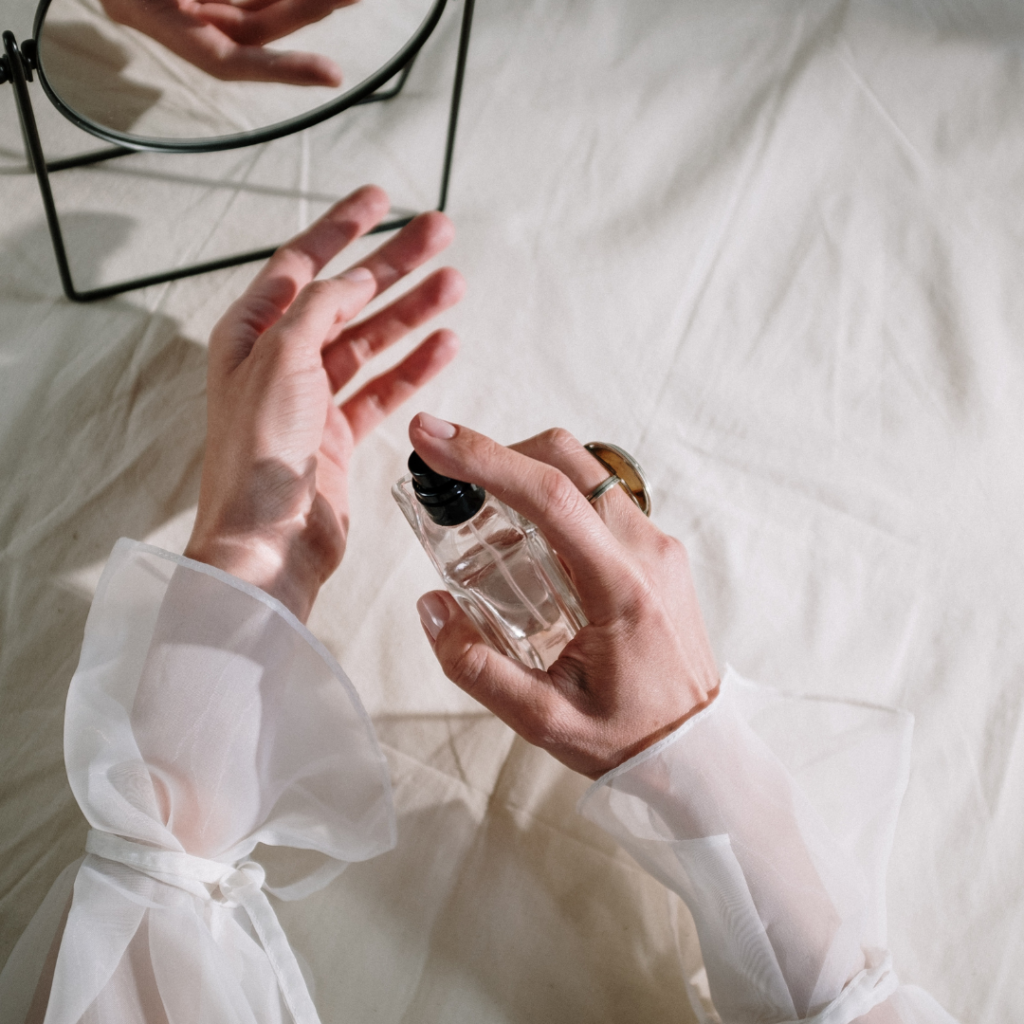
(203, 721)
(772, 248)
(773, 818)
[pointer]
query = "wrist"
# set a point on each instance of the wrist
(263, 563)
(627, 753)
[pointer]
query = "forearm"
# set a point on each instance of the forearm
(203, 720)
(733, 787)
(790, 917)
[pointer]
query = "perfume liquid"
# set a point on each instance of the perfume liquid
(495, 563)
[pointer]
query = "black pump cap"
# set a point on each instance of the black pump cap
(448, 502)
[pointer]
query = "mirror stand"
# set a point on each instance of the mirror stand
(17, 64)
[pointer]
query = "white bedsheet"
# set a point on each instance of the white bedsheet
(771, 248)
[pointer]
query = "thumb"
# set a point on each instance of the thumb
(523, 698)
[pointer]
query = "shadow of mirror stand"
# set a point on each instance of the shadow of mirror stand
(17, 66)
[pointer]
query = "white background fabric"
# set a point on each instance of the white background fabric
(771, 248)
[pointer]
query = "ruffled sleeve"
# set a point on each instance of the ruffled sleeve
(204, 719)
(773, 818)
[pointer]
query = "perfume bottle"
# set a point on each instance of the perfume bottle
(495, 563)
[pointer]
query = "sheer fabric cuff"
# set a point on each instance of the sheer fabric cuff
(773, 817)
(203, 719)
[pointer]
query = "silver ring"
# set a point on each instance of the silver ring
(626, 468)
(603, 488)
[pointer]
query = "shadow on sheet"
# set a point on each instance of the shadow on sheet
(102, 439)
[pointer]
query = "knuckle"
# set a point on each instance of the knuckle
(375, 404)
(671, 550)
(548, 725)
(320, 290)
(558, 494)
(559, 440)
(467, 667)
(269, 356)
(548, 733)
(473, 451)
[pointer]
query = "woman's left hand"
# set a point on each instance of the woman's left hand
(273, 501)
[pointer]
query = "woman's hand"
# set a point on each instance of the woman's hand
(226, 40)
(273, 501)
(257, 22)
(642, 665)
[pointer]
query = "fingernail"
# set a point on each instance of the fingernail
(441, 429)
(357, 274)
(433, 614)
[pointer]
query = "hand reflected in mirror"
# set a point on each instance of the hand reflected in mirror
(228, 40)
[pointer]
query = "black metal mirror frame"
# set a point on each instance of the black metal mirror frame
(354, 96)
(18, 63)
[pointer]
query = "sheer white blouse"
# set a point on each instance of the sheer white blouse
(204, 719)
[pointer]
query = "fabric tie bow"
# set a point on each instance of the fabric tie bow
(240, 885)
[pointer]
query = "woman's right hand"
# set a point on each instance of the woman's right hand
(642, 665)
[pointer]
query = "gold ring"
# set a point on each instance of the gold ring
(625, 470)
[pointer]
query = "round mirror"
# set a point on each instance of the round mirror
(193, 75)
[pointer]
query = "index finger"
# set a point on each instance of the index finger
(604, 574)
(557, 447)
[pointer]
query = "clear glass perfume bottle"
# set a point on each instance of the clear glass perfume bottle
(495, 563)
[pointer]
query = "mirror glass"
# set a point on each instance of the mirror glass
(203, 69)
